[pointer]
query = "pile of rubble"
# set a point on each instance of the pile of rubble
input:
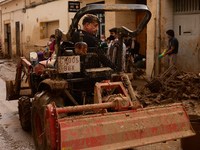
(178, 87)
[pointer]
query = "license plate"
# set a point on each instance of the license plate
(68, 64)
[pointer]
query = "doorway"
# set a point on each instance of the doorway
(17, 27)
(142, 38)
(8, 51)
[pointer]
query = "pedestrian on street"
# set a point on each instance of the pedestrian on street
(172, 49)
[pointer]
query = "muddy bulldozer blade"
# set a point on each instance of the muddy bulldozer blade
(116, 130)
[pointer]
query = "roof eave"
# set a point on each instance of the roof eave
(5, 2)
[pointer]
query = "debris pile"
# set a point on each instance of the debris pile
(183, 87)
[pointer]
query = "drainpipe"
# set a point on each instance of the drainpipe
(158, 38)
(154, 51)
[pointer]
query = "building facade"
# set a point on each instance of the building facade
(25, 22)
(183, 17)
(12, 20)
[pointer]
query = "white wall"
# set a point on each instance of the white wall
(56, 11)
(49, 12)
(11, 13)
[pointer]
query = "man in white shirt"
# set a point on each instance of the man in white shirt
(112, 49)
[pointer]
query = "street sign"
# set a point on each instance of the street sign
(73, 6)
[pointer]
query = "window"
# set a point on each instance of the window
(186, 5)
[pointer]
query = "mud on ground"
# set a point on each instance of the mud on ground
(187, 85)
(183, 88)
(8, 69)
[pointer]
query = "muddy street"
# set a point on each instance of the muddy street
(11, 134)
(182, 87)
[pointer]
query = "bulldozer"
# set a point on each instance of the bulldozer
(73, 104)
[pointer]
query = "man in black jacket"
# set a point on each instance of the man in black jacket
(90, 27)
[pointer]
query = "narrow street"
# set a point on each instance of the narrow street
(11, 134)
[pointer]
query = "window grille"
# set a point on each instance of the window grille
(186, 5)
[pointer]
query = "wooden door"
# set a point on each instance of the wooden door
(142, 38)
(17, 28)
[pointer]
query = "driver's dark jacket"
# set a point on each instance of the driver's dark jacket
(93, 61)
(91, 41)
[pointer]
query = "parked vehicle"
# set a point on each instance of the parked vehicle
(74, 105)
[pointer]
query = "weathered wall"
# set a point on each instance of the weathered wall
(126, 18)
(151, 38)
(156, 39)
(11, 13)
(42, 14)
(0, 23)
(33, 20)
(110, 18)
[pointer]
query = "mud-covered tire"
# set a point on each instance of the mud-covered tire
(41, 99)
(24, 108)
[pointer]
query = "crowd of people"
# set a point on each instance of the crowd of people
(131, 46)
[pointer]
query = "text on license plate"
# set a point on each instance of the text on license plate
(68, 64)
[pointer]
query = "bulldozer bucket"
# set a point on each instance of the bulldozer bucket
(116, 130)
